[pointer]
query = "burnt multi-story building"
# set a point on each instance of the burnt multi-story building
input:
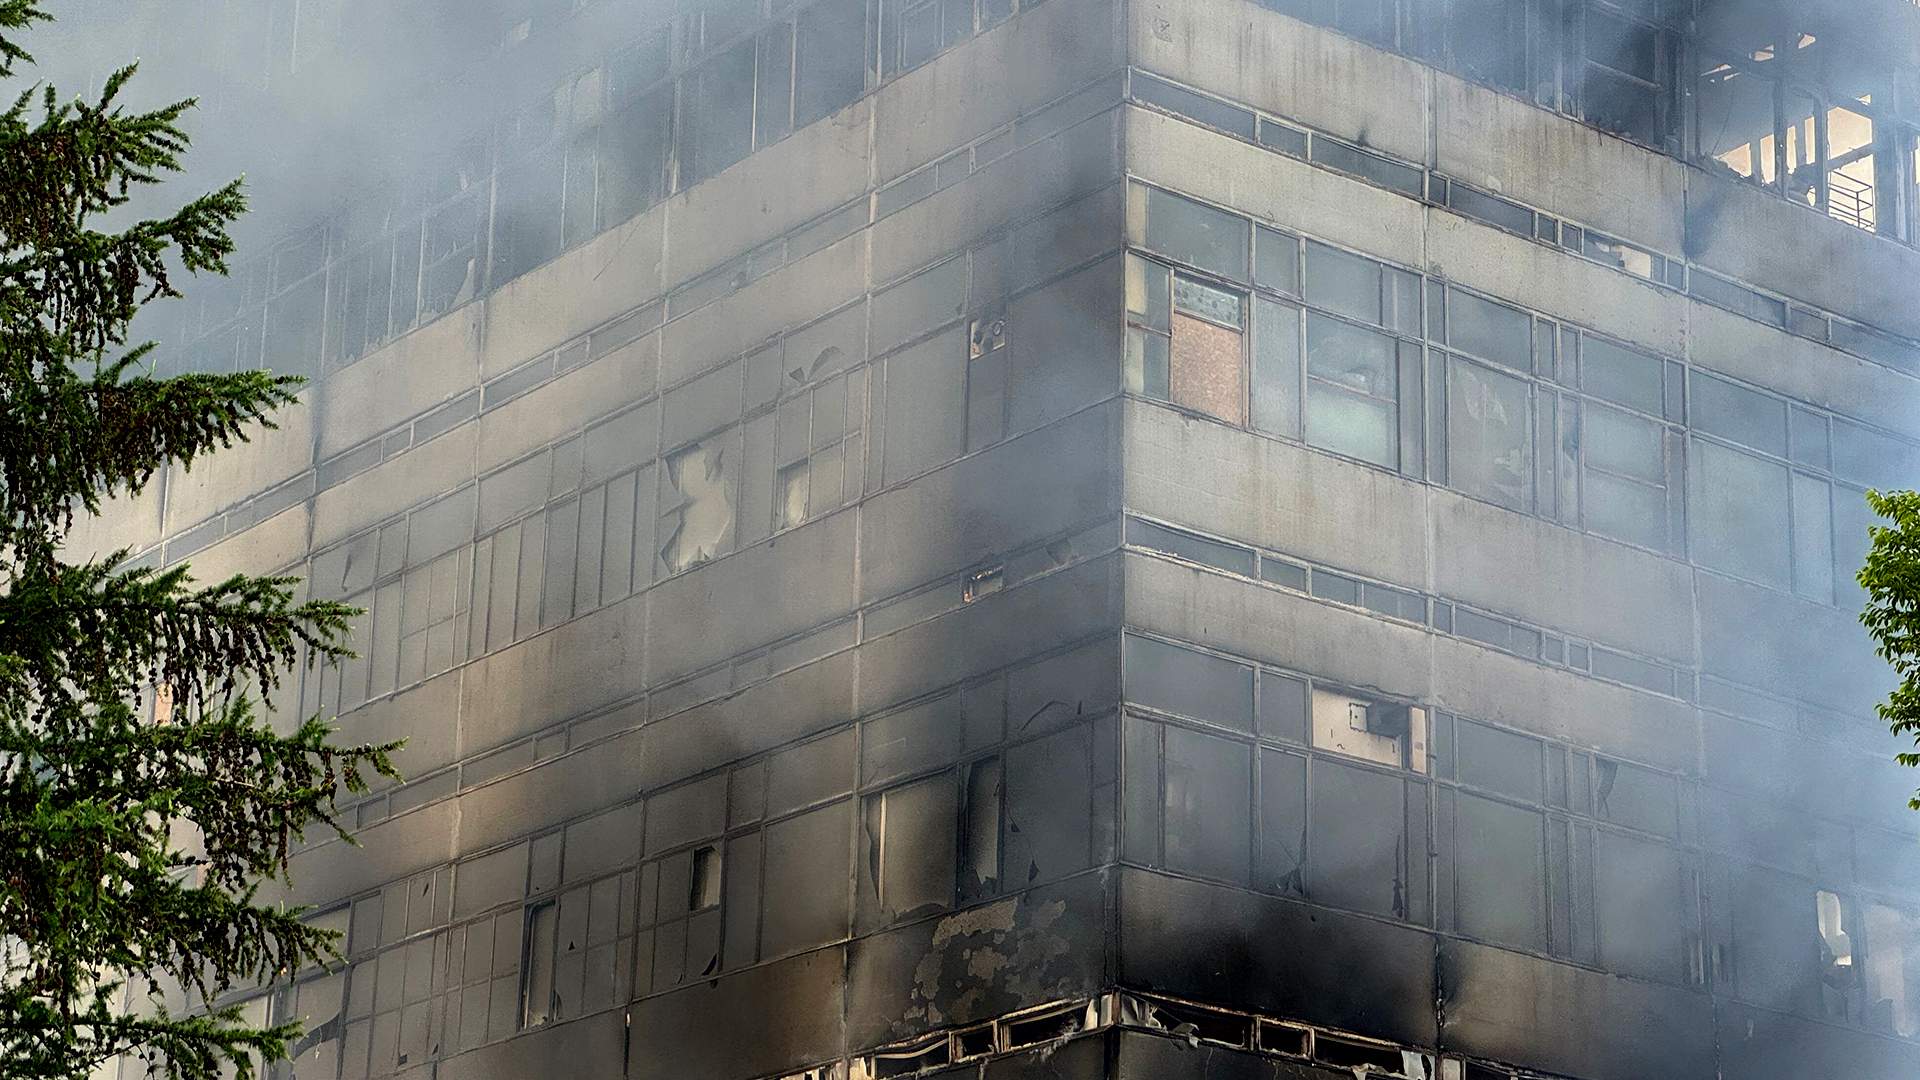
(1139, 538)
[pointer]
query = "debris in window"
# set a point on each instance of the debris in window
(983, 583)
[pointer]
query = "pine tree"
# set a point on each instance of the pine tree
(103, 919)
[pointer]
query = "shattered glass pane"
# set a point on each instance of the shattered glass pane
(1489, 433)
(699, 508)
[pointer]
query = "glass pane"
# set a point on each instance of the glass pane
(1738, 514)
(1209, 805)
(1489, 442)
(1348, 424)
(1644, 921)
(1359, 824)
(1350, 356)
(1620, 374)
(1812, 539)
(1188, 683)
(1201, 235)
(1344, 283)
(1738, 414)
(1625, 444)
(1276, 261)
(1500, 887)
(1147, 302)
(1490, 331)
(1276, 367)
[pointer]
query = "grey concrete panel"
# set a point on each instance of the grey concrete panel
(124, 521)
(242, 470)
(1245, 52)
(793, 1009)
(990, 633)
(411, 375)
(394, 485)
(924, 405)
(1551, 576)
(1802, 771)
(1278, 190)
(592, 661)
(1278, 628)
(801, 177)
(780, 301)
(1509, 147)
(1561, 704)
(1748, 234)
(391, 850)
(1042, 175)
(813, 772)
(601, 843)
(1220, 944)
(787, 707)
(1555, 282)
(989, 503)
(986, 82)
(273, 544)
(590, 1047)
(1808, 652)
(791, 583)
(483, 882)
(425, 715)
(1276, 495)
(562, 406)
(1036, 946)
(1790, 365)
(1766, 1045)
(553, 792)
(1512, 1007)
(582, 288)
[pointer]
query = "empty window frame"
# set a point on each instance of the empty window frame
(1737, 117)
(536, 973)
(1624, 74)
(932, 843)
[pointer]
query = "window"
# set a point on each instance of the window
(1625, 75)
(698, 506)
(1738, 120)
(1500, 872)
(1740, 514)
(1489, 434)
(1199, 235)
(911, 840)
(1856, 159)
(704, 892)
(1892, 976)
(1353, 391)
(536, 997)
(818, 440)
(1186, 346)
(916, 30)
(1186, 682)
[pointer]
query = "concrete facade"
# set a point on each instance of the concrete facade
(1147, 539)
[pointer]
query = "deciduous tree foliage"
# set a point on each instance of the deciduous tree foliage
(114, 939)
(1892, 616)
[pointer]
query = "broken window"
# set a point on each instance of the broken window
(536, 998)
(697, 510)
(717, 102)
(1049, 808)
(1489, 434)
(818, 448)
(1777, 944)
(1737, 112)
(1857, 160)
(679, 918)
(1892, 975)
(830, 58)
(980, 829)
(635, 144)
(450, 265)
(1383, 732)
(909, 842)
(988, 376)
(1625, 75)
(704, 892)
(1149, 328)
(1837, 970)
(1352, 394)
